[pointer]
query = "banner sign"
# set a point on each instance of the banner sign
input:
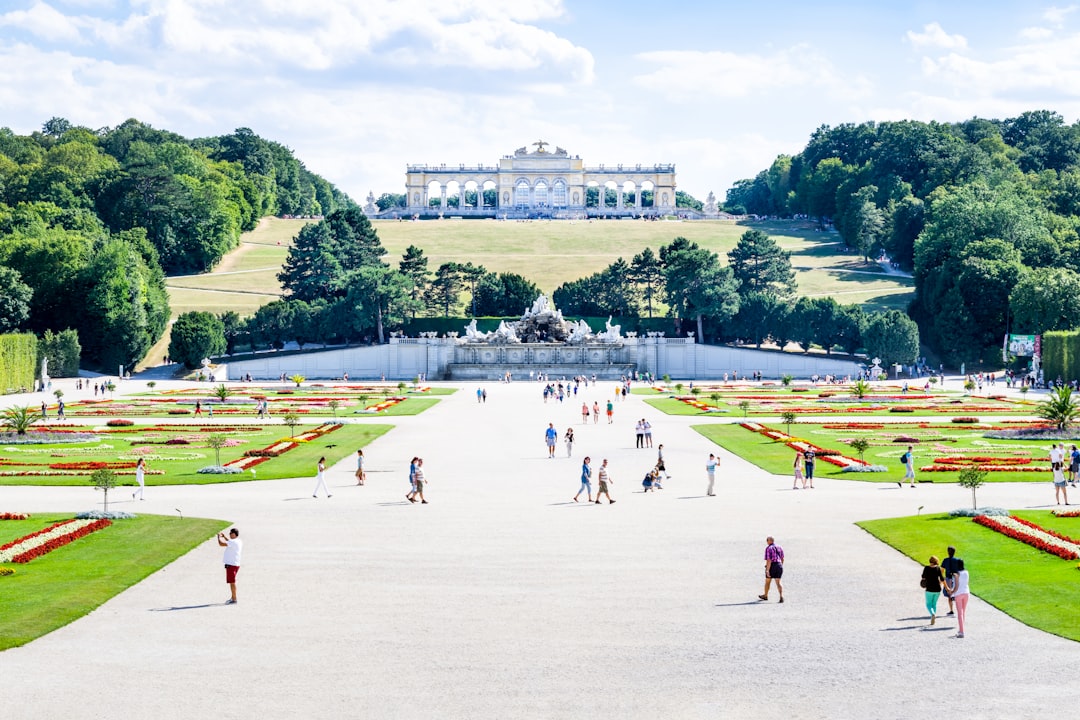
(1023, 345)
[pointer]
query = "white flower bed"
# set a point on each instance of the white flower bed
(1039, 535)
(864, 468)
(39, 540)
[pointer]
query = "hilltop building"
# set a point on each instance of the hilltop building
(541, 183)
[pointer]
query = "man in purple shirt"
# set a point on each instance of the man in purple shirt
(774, 568)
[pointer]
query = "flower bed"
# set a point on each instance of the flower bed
(1057, 513)
(45, 541)
(833, 457)
(119, 422)
(5, 571)
(1033, 535)
(14, 516)
(272, 451)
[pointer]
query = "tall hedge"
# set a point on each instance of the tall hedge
(18, 358)
(1061, 355)
(62, 350)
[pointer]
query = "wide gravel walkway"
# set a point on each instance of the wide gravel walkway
(503, 599)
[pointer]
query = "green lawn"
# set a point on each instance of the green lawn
(1035, 587)
(55, 589)
(938, 441)
(181, 462)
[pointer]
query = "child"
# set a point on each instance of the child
(647, 483)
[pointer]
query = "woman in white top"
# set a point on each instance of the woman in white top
(959, 593)
(320, 481)
(569, 438)
(360, 476)
(1057, 466)
(140, 477)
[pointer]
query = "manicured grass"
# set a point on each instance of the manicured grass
(776, 457)
(671, 406)
(182, 462)
(1035, 587)
(56, 589)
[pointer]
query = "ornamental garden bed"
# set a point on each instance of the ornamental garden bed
(1028, 583)
(829, 400)
(175, 453)
(941, 450)
(242, 402)
(54, 589)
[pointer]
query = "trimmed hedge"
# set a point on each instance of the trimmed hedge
(1061, 355)
(18, 357)
(442, 326)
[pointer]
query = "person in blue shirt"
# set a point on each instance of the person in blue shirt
(586, 480)
(551, 435)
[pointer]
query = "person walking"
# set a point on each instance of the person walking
(551, 435)
(648, 432)
(610, 411)
(661, 467)
(586, 480)
(361, 476)
(710, 470)
(61, 416)
(198, 407)
(569, 439)
(639, 431)
(411, 495)
(959, 592)
(950, 566)
(584, 413)
(234, 546)
(44, 411)
(1074, 465)
(797, 466)
(604, 479)
(774, 568)
(1057, 467)
(595, 412)
(320, 480)
(909, 464)
(419, 481)
(140, 478)
(932, 578)
(808, 466)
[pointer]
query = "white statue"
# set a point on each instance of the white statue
(505, 334)
(539, 306)
(612, 333)
(579, 332)
(472, 334)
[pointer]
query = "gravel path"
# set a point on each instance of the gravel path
(503, 599)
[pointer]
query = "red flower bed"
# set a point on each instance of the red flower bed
(176, 441)
(982, 460)
(14, 516)
(267, 452)
(853, 426)
(60, 541)
(119, 422)
(987, 521)
(179, 411)
(987, 468)
(91, 465)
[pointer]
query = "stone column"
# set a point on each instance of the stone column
(619, 198)
(442, 202)
(637, 199)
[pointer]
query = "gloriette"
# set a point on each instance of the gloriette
(541, 183)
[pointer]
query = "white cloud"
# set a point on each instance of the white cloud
(1036, 33)
(933, 35)
(684, 74)
(44, 21)
(1057, 15)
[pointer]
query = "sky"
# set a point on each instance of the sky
(360, 88)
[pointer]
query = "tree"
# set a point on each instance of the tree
(646, 273)
(756, 317)
(19, 419)
(1046, 299)
(104, 479)
(445, 290)
(891, 336)
(413, 265)
(311, 270)
(696, 285)
(222, 392)
(789, 418)
(863, 222)
(14, 300)
(292, 420)
(272, 324)
(391, 200)
(471, 274)
(382, 296)
(971, 477)
(233, 326)
(860, 445)
(217, 441)
(503, 294)
(759, 265)
(196, 335)
(62, 350)
(1059, 408)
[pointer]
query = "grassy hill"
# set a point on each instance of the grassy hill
(547, 252)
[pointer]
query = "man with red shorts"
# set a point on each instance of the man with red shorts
(233, 546)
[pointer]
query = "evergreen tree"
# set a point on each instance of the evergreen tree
(646, 272)
(760, 266)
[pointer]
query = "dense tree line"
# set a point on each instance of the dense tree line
(90, 221)
(984, 212)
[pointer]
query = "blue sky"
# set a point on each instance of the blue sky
(359, 88)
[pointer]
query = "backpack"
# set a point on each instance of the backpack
(903, 459)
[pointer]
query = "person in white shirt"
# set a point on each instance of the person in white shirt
(233, 548)
(710, 469)
(320, 481)
(1057, 466)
